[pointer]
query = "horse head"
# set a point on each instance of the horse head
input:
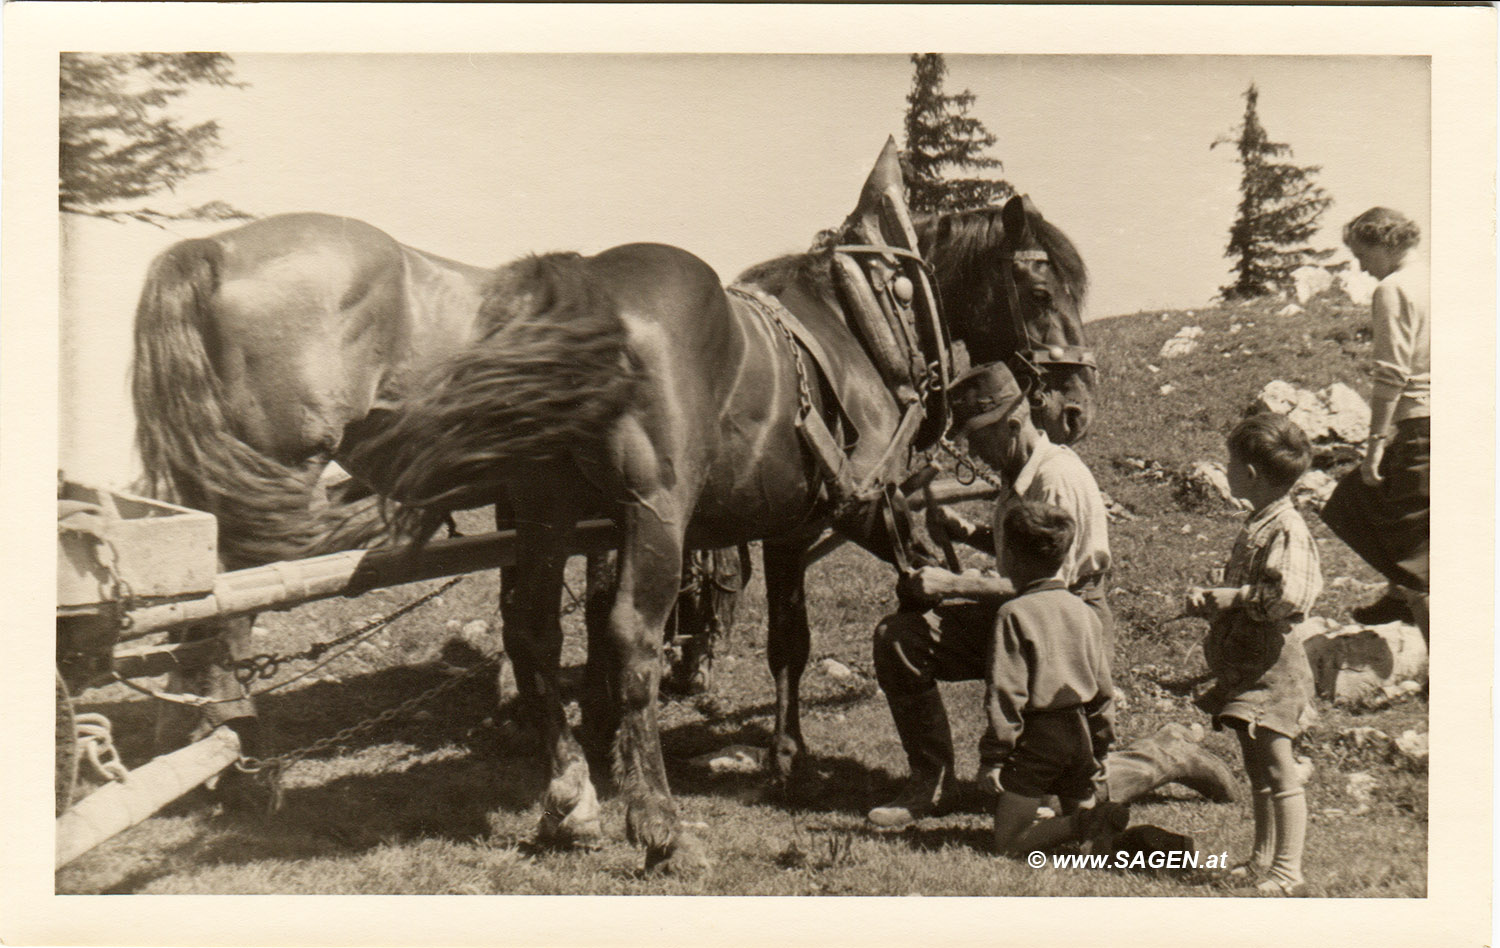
(1012, 286)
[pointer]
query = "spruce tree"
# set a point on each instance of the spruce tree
(117, 142)
(1278, 213)
(941, 134)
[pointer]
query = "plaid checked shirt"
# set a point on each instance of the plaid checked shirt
(1275, 556)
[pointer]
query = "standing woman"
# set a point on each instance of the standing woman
(1381, 509)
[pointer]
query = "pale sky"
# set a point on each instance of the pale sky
(738, 158)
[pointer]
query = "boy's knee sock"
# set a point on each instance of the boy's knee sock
(1265, 827)
(1290, 809)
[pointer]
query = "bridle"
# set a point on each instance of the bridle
(1032, 360)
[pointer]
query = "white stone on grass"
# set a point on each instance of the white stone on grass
(1184, 343)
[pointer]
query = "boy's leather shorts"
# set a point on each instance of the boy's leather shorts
(1055, 755)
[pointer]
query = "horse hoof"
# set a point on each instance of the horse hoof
(686, 858)
(570, 810)
(702, 683)
(570, 832)
(784, 762)
(652, 823)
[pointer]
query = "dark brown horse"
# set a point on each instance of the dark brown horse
(630, 382)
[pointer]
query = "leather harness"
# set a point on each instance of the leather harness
(888, 296)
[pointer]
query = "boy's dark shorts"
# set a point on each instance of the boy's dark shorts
(1055, 755)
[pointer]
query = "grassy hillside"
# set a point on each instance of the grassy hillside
(445, 802)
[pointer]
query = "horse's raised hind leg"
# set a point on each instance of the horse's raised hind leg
(650, 569)
(787, 644)
(530, 606)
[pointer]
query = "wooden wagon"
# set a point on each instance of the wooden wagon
(131, 569)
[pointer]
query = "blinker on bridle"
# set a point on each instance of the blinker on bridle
(1031, 360)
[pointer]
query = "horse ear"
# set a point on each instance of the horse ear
(1016, 216)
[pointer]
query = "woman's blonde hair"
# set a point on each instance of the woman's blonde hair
(1382, 227)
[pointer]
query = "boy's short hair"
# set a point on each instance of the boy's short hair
(1275, 445)
(1382, 227)
(1038, 534)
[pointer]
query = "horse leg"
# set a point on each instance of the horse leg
(787, 644)
(650, 569)
(530, 607)
(601, 713)
(688, 627)
(705, 616)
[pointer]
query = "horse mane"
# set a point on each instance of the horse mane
(544, 383)
(963, 246)
(812, 270)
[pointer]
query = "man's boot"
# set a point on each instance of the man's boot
(1171, 755)
(922, 723)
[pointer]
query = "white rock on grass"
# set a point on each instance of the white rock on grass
(1211, 478)
(1308, 282)
(1348, 415)
(1411, 745)
(1355, 662)
(1360, 736)
(1335, 413)
(1184, 343)
(1290, 309)
(734, 759)
(1167, 389)
(1314, 488)
(476, 629)
(837, 670)
(1361, 787)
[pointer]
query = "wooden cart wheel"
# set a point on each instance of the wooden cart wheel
(66, 773)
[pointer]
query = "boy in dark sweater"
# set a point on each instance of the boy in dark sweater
(1048, 694)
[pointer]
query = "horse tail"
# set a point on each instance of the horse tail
(184, 434)
(547, 380)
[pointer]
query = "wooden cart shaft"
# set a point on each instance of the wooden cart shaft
(287, 584)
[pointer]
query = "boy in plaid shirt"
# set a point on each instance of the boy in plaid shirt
(1263, 683)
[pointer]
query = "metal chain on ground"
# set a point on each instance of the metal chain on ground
(574, 605)
(253, 765)
(266, 666)
(977, 468)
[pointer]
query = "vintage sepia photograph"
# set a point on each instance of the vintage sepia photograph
(606, 462)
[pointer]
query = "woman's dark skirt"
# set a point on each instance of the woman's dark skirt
(1388, 525)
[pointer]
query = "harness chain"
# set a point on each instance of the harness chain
(976, 467)
(257, 666)
(252, 765)
(767, 307)
(263, 665)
